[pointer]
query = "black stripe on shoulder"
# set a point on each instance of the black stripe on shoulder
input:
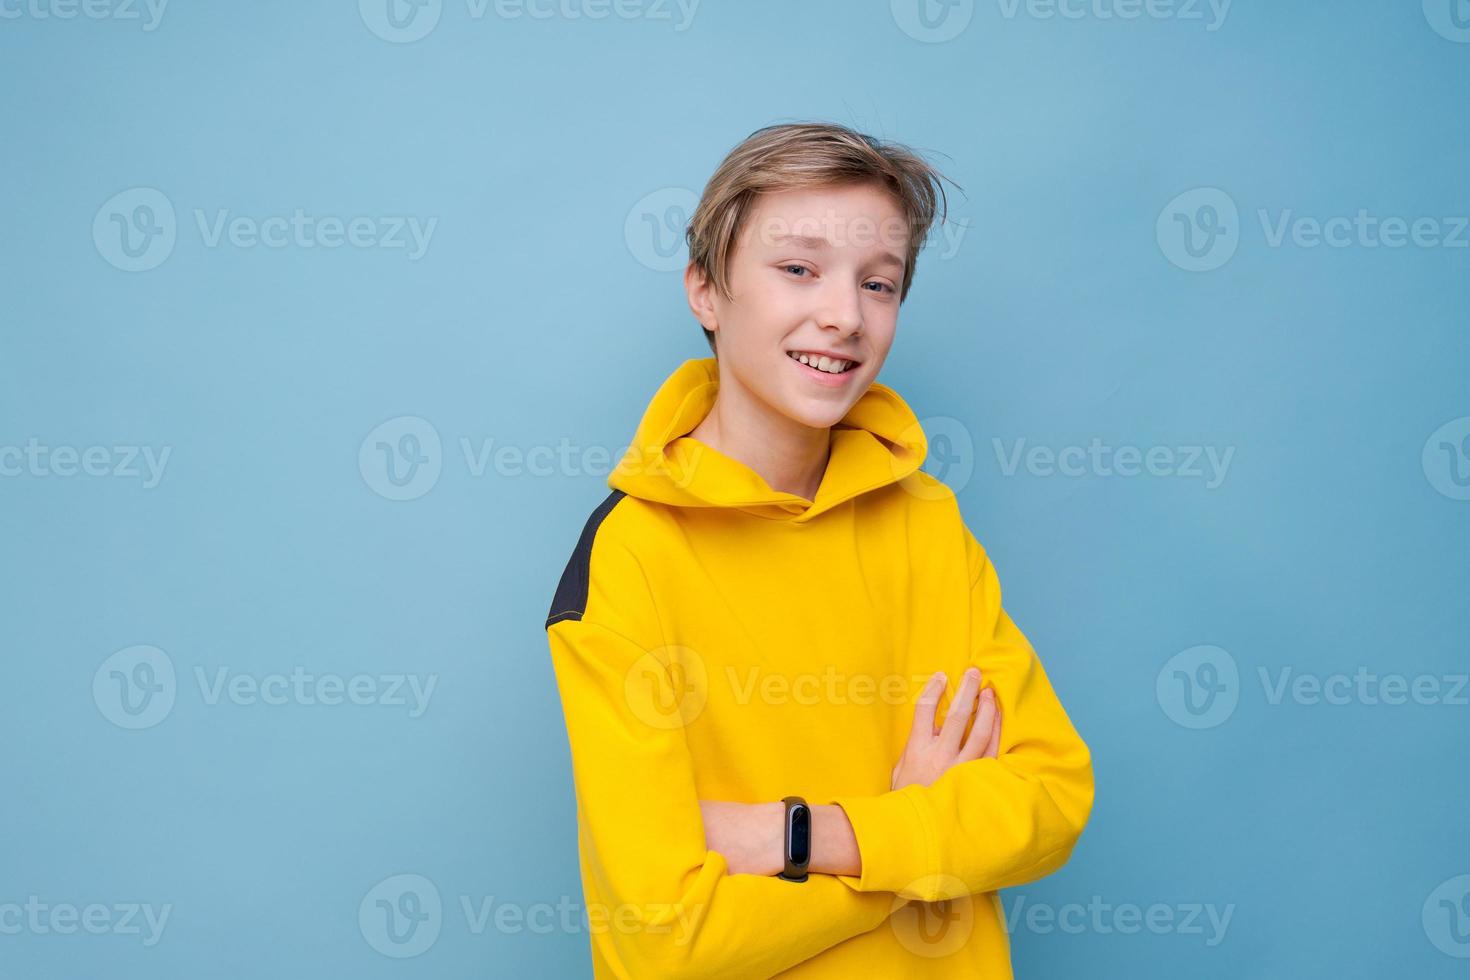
(570, 601)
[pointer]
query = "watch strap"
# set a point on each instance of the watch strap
(797, 838)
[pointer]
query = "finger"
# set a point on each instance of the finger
(960, 710)
(994, 749)
(980, 733)
(923, 729)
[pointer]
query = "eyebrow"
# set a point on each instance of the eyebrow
(814, 242)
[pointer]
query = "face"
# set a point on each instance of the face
(816, 272)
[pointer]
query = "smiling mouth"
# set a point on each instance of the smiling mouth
(823, 363)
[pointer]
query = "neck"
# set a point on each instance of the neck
(789, 456)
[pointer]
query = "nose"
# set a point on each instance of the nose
(841, 311)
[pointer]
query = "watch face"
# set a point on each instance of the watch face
(801, 834)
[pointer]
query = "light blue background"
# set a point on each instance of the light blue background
(533, 318)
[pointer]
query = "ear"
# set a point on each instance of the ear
(701, 297)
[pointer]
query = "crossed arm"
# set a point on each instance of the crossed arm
(751, 836)
(966, 815)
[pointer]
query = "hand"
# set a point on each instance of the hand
(927, 755)
(751, 836)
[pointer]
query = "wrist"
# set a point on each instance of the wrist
(773, 819)
(834, 845)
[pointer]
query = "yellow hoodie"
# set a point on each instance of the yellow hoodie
(716, 639)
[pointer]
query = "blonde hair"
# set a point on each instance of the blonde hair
(792, 155)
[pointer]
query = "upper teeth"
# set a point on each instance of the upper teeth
(821, 362)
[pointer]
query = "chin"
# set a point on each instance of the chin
(815, 413)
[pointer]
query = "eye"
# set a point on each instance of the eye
(798, 268)
(884, 287)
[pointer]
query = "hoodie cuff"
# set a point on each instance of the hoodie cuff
(895, 841)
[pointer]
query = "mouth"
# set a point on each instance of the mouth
(823, 363)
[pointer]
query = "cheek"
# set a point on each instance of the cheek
(774, 300)
(770, 317)
(884, 323)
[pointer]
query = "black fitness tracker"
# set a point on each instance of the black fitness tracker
(798, 839)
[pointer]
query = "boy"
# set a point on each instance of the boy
(744, 625)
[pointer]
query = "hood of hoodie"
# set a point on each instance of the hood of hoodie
(877, 443)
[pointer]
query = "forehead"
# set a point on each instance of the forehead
(865, 215)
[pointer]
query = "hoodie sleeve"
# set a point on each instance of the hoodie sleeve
(987, 823)
(673, 910)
